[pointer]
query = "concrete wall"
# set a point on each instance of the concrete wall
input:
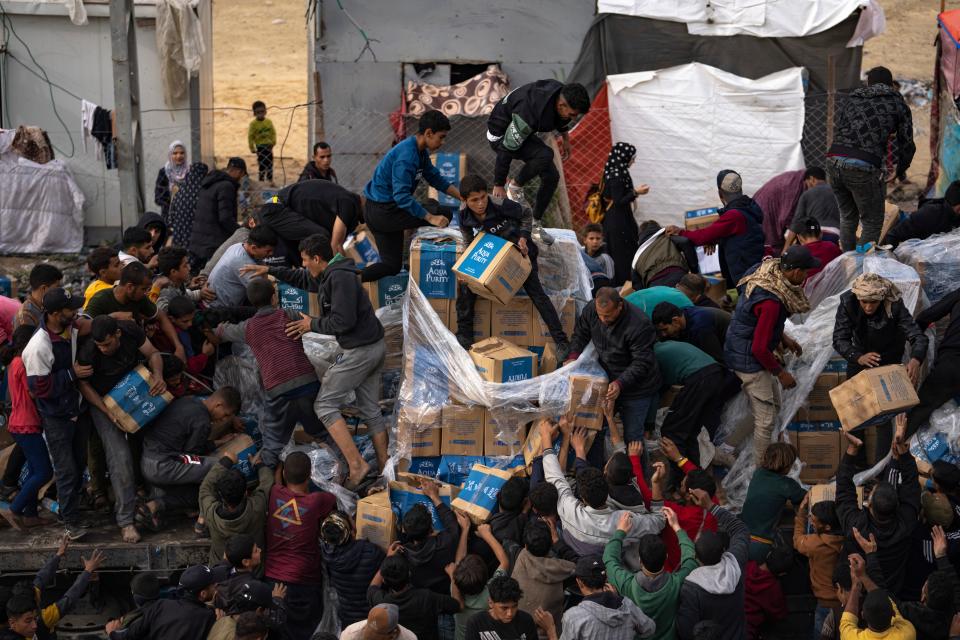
(78, 58)
(532, 40)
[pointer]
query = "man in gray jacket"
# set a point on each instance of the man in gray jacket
(603, 614)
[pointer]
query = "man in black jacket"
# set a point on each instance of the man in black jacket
(510, 221)
(313, 206)
(623, 337)
(319, 167)
(864, 124)
(216, 213)
(429, 551)
(346, 313)
(871, 330)
(537, 107)
(939, 215)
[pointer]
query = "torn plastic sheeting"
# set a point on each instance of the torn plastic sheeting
(815, 335)
(935, 260)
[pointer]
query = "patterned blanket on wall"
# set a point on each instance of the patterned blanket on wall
(473, 97)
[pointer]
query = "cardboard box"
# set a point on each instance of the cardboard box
(546, 357)
(700, 218)
(420, 429)
(568, 318)
(462, 430)
(444, 309)
(532, 447)
(873, 396)
(668, 396)
(478, 495)
(431, 267)
(513, 321)
(376, 521)
(823, 492)
(819, 408)
(426, 372)
(586, 401)
(362, 248)
(482, 312)
(819, 447)
(500, 360)
(493, 268)
(299, 300)
(130, 402)
(405, 492)
(243, 448)
(8, 287)
(428, 466)
(388, 290)
(455, 469)
(503, 441)
(452, 166)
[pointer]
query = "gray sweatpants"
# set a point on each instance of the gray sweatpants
(120, 465)
(356, 370)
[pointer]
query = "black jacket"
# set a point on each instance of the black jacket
(855, 333)
(723, 603)
(215, 218)
(322, 202)
(892, 536)
(866, 120)
(430, 557)
(505, 219)
(182, 428)
(310, 172)
(351, 567)
(184, 619)
(419, 608)
(935, 216)
(930, 623)
(950, 303)
(625, 349)
(345, 309)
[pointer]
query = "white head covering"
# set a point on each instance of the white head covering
(176, 172)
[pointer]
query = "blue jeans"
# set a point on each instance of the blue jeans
(860, 193)
(633, 415)
(819, 615)
(38, 459)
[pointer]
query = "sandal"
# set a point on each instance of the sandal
(147, 519)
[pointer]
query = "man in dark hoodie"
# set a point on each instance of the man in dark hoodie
(312, 206)
(429, 551)
(603, 614)
(509, 521)
(351, 564)
(939, 215)
(864, 124)
(346, 313)
(738, 231)
(537, 107)
(893, 511)
(715, 590)
(215, 218)
(419, 608)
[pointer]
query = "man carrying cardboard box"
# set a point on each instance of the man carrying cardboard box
(510, 221)
(872, 329)
(623, 337)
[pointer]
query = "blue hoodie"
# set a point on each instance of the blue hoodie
(398, 174)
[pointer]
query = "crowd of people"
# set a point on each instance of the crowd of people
(637, 544)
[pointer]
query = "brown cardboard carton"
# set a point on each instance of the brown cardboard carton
(431, 266)
(716, 287)
(873, 396)
(513, 321)
(376, 521)
(819, 407)
(482, 311)
(823, 492)
(568, 318)
(493, 268)
(462, 430)
(586, 401)
(500, 360)
(419, 430)
(444, 308)
(452, 165)
(700, 218)
(548, 361)
(819, 451)
(478, 495)
(130, 403)
(502, 441)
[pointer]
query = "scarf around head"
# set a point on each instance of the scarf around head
(770, 276)
(176, 172)
(618, 163)
(871, 287)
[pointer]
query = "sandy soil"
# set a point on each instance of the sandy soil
(255, 59)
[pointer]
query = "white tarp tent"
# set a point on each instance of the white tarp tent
(691, 121)
(761, 18)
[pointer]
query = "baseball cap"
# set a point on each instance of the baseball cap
(199, 576)
(237, 163)
(798, 257)
(729, 181)
(590, 567)
(58, 300)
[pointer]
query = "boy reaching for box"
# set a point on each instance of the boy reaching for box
(510, 221)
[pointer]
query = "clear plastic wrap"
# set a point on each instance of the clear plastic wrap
(935, 259)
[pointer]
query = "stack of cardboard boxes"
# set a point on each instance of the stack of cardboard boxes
(815, 431)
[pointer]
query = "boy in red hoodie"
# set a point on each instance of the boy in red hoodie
(763, 599)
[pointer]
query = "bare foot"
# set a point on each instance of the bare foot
(130, 534)
(356, 477)
(12, 518)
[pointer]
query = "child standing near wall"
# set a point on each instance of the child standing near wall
(262, 137)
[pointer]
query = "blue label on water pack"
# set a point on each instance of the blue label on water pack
(701, 213)
(481, 255)
(482, 489)
(425, 466)
(517, 369)
(454, 469)
(6, 287)
(132, 395)
(436, 270)
(402, 501)
(244, 465)
(251, 426)
(448, 164)
(430, 379)
(391, 289)
(293, 298)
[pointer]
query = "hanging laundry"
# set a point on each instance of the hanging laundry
(33, 144)
(102, 130)
(87, 110)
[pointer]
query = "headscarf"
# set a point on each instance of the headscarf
(770, 276)
(618, 163)
(871, 287)
(176, 172)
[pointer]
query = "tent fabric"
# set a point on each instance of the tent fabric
(590, 143)
(664, 113)
(763, 18)
(41, 206)
(180, 46)
(617, 44)
(949, 22)
(476, 96)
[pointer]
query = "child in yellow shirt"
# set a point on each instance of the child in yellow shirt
(262, 137)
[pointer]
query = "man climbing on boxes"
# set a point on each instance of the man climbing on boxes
(510, 221)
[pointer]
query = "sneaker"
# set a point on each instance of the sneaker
(75, 531)
(515, 193)
(540, 235)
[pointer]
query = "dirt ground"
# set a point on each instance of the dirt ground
(260, 53)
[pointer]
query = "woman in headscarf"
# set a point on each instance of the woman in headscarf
(171, 176)
(619, 225)
(183, 204)
(872, 329)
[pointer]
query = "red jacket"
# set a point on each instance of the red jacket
(763, 599)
